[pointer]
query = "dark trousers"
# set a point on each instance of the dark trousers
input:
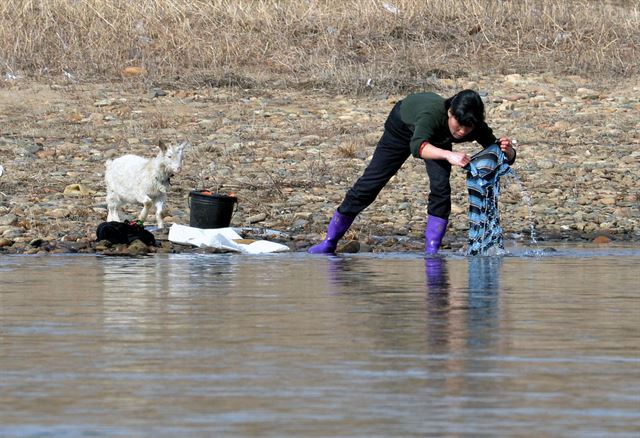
(390, 154)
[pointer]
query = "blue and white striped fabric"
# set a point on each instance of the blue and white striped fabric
(483, 183)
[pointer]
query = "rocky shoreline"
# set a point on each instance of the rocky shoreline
(290, 155)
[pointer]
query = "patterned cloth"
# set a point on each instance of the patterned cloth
(483, 183)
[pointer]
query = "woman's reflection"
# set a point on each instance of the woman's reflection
(464, 317)
(441, 320)
(462, 326)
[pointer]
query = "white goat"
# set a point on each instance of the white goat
(131, 178)
(1, 170)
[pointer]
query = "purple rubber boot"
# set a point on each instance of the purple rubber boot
(433, 234)
(436, 273)
(337, 227)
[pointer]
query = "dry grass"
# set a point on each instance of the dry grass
(387, 44)
(349, 149)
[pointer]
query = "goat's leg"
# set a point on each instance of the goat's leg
(146, 205)
(113, 215)
(159, 207)
(113, 203)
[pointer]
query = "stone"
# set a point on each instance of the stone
(101, 103)
(256, 218)
(8, 219)
(137, 248)
(352, 246)
(73, 190)
(59, 213)
(601, 240)
(587, 93)
(13, 233)
(132, 71)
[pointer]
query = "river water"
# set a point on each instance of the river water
(528, 344)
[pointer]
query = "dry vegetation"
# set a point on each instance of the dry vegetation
(344, 45)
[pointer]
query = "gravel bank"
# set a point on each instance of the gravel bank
(290, 155)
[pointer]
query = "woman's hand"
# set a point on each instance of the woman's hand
(430, 152)
(506, 146)
(458, 158)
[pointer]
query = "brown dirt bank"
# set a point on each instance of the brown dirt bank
(291, 154)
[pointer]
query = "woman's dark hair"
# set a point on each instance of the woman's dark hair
(467, 107)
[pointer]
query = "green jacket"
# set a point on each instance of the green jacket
(425, 114)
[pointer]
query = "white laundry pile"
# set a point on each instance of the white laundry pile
(221, 238)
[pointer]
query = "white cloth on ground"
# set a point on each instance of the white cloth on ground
(221, 238)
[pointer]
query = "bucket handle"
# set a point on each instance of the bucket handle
(236, 209)
(189, 201)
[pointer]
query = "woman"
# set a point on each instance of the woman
(424, 125)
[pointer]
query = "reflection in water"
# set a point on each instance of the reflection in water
(293, 345)
(461, 323)
(154, 273)
(471, 312)
(381, 300)
(439, 319)
(437, 280)
(484, 284)
(137, 293)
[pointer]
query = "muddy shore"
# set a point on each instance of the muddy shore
(290, 155)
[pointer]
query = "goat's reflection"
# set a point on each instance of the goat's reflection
(148, 290)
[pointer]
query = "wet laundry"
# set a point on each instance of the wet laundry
(483, 184)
